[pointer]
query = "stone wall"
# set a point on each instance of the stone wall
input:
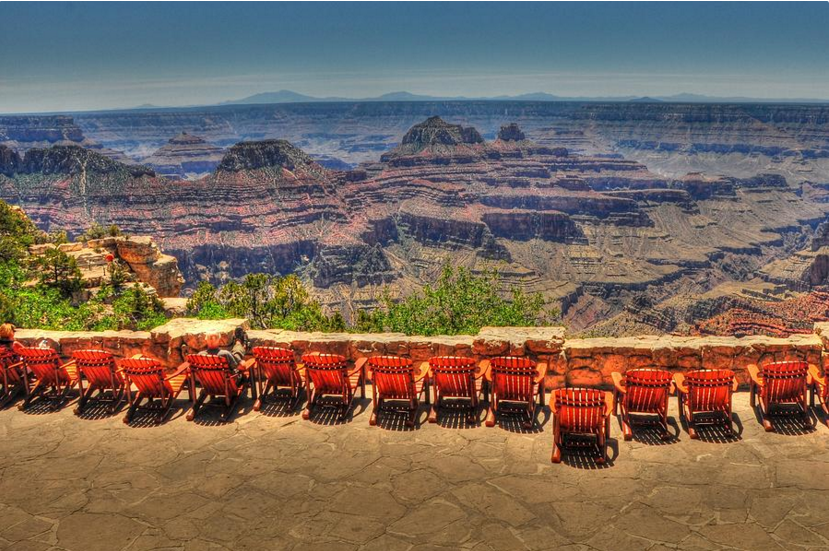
(575, 362)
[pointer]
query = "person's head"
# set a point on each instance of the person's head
(213, 340)
(7, 332)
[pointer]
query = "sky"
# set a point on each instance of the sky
(71, 57)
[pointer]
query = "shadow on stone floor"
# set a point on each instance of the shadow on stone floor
(790, 423)
(146, 418)
(584, 457)
(457, 417)
(651, 434)
(717, 433)
(96, 410)
(282, 407)
(514, 421)
(327, 413)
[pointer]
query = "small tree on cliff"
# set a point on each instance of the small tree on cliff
(58, 270)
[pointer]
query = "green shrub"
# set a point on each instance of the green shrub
(459, 303)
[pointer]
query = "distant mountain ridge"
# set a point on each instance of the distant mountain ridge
(289, 96)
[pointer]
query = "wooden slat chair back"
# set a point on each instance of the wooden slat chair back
(779, 384)
(101, 373)
(329, 375)
(277, 368)
(394, 379)
(580, 412)
(151, 383)
(515, 380)
(14, 378)
(454, 377)
(706, 393)
(217, 379)
(784, 382)
(45, 365)
(643, 391)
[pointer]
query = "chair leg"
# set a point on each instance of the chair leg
(490, 416)
(35, 392)
(433, 410)
(763, 412)
(196, 406)
(85, 395)
(133, 408)
(556, 455)
(412, 414)
(376, 404)
(530, 422)
(306, 413)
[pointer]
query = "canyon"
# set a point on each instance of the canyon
(629, 218)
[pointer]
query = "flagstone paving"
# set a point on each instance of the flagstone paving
(273, 481)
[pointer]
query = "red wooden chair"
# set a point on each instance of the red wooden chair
(580, 412)
(820, 389)
(705, 397)
(517, 382)
(54, 380)
(276, 369)
(328, 376)
(99, 370)
(218, 379)
(642, 392)
(778, 385)
(396, 380)
(152, 383)
(14, 378)
(454, 378)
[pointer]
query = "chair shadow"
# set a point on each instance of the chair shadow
(789, 422)
(451, 416)
(282, 406)
(651, 434)
(716, 433)
(43, 406)
(146, 418)
(95, 410)
(211, 411)
(584, 457)
(392, 419)
(327, 413)
(513, 421)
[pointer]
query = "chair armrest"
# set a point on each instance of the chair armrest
(68, 364)
(609, 398)
(421, 371)
(552, 401)
(358, 366)
(484, 370)
(618, 381)
(247, 364)
(754, 374)
(735, 386)
(817, 378)
(679, 383)
(542, 372)
(182, 369)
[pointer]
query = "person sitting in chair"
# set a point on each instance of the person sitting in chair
(234, 356)
(7, 341)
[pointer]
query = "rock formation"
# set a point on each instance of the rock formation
(185, 157)
(143, 260)
(589, 231)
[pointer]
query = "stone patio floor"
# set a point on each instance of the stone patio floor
(272, 481)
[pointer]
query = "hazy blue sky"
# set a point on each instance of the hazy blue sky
(95, 56)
